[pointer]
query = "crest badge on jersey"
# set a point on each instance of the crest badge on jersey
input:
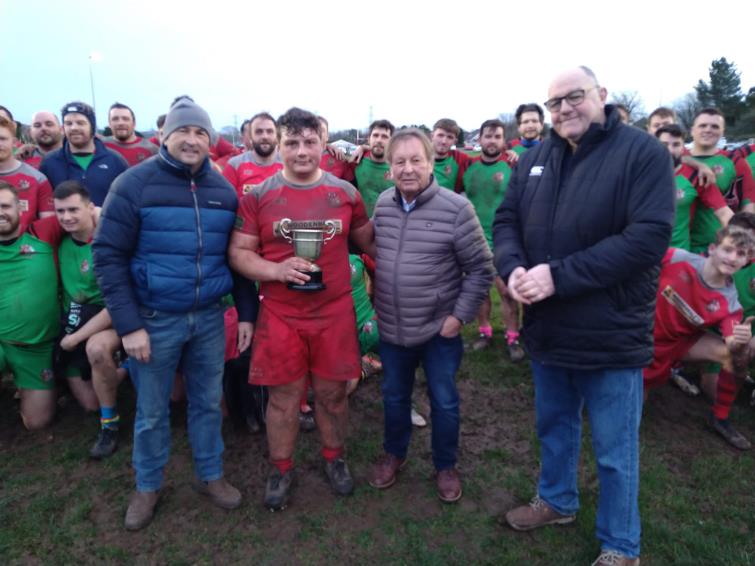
(447, 169)
(46, 375)
(498, 177)
(679, 194)
(26, 249)
(752, 285)
(334, 199)
(24, 184)
(718, 169)
(713, 306)
(84, 268)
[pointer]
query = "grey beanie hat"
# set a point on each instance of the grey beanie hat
(186, 112)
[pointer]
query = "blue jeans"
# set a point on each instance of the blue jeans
(440, 357)
(613, 398)
(195, 342)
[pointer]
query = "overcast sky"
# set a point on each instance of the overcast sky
(410, 61)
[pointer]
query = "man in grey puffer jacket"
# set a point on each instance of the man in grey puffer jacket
(433, 271)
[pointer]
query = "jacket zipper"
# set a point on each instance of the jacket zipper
(200, 243)
(399, 250)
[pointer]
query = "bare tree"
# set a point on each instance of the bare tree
(510, 129)
(686, 107)
(631, 100)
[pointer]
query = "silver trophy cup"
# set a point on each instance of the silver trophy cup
(308, 244)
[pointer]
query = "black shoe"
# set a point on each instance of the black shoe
(729, 433)
(277, 488)
(107, 443)
(516, 352)
(307, 421)
(339, 476)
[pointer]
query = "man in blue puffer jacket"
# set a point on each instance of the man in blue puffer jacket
(160, 260)
(83, 156)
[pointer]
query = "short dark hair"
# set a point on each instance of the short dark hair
(243, 125)
(8, 112)
(744, 220)
(710, 110)
(6, 186)
(122, 107)
(449, 125)
(674, 130)
(662, 112)
(295, 120)
(494, 123)
(382, 124)
(160, 121)
(69, 188)
(264, 116)
(529, 107)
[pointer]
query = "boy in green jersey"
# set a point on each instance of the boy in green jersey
(28, 319)
(485, 181)
(450, 164)
(94, 339)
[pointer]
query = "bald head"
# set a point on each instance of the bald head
(46, 131)
(576, 100)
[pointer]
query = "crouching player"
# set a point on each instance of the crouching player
(697, 294)
(91, 347)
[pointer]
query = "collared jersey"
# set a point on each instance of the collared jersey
(341, 169)
(449, 170)
(688, 193)
(34, 191)
(686, 306)
(133, 152)
(734, 180)
(372, 178)
(246, 170)
(307, 206)
(485, 185)
(29, 308)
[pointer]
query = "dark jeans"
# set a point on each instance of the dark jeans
(440, 357)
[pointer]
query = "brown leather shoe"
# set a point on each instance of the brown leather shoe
(141, 509)
(449, 485)
(537, 514)
(220, 492)
(613, 558)
(384, 471)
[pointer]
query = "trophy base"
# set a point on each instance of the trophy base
(314, 284)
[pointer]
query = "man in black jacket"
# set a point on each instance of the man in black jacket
(579, 238)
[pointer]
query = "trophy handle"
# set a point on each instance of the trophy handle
(330, 230)
(283, 228)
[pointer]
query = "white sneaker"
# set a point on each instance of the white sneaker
(417, 419)
(681, 382)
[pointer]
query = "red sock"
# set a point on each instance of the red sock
(512, 336)
(726, 392)
(283, 465)
(486, 330)
(331, 454)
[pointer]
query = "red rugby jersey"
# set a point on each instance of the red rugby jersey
(260, 213)
(34, 191)
(133, 152)
(245, 170)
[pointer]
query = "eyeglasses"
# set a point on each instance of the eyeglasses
(574, 98)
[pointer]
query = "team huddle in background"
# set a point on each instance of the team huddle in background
(173, 262)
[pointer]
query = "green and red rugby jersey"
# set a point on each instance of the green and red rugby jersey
(485, 185)
(29, 308)
(330, 198)
(245, 170)
(519, 148)
(449, 170)
(747, 152)
(34, 191)
(341, 169)
(77, 273)
(372, 178)
(688, 193)
(133, 152)
(744, 279)
(686, 306)
(734, 180)
(35, 158)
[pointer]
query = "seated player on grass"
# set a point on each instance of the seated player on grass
(697, 294)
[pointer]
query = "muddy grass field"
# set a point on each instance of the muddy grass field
(58, 507)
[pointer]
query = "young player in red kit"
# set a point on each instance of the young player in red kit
(33, 188)
(300, 334)
(695, 294)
